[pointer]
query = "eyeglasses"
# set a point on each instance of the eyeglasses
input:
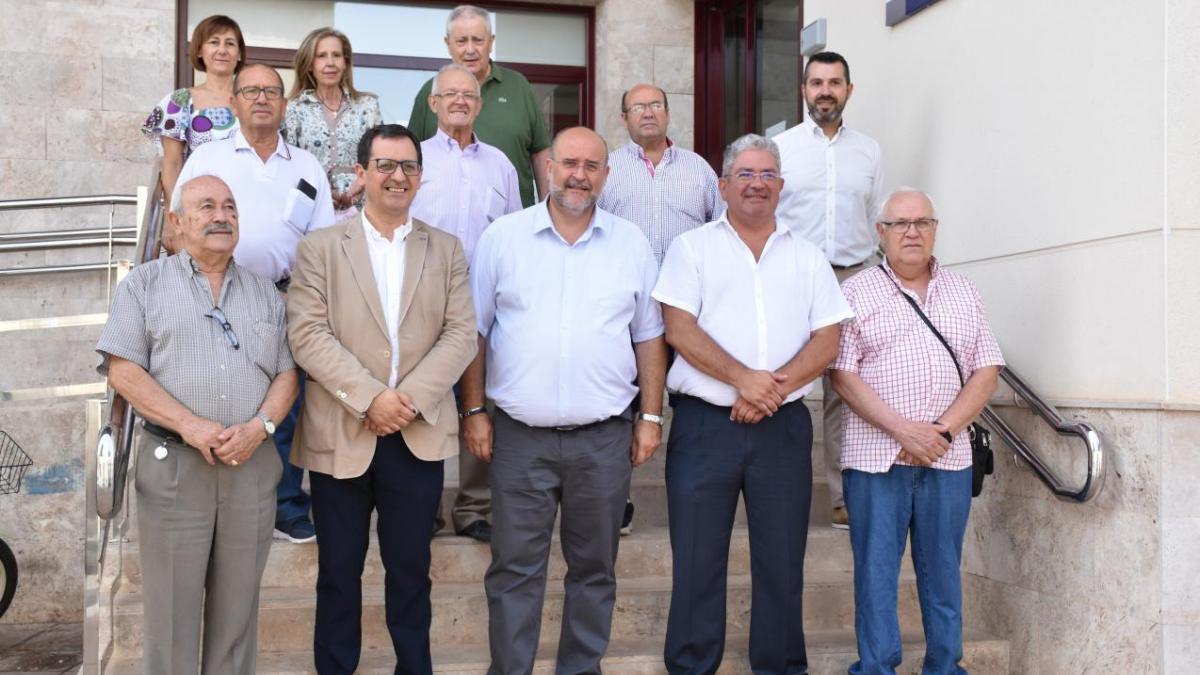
(217, 315)
(747, 177)
(639, 108)
(408, 167)
(251, 93)
(923, 225)
(468, 96)
(571, 165)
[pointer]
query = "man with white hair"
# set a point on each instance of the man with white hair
(197, 343)
(465, 185)
(754, 312)
(906, 451)
(511, 118)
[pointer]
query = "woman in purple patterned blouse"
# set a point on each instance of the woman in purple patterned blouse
(187, 118)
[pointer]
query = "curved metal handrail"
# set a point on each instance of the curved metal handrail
(1093, 483)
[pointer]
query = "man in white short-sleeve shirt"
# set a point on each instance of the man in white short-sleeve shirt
(282, 194)
(754, 312)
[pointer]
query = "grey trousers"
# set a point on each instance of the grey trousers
(831, 429)
(204, 533)
(474, 500)
(534, 470)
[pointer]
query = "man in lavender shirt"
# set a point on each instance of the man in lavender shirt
(465, 186)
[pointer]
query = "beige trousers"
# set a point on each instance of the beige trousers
(832, 403)
(204, 533)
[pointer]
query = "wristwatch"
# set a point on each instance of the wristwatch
(651, 417)
(267, 423)
(471, 411)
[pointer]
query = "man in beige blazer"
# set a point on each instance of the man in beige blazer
(381, 319)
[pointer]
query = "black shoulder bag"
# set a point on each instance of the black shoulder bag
(982, 461)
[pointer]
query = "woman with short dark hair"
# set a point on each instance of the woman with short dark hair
(189, 117)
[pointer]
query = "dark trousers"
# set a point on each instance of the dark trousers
(405, 492)
(535, 472)
(291, 501)
(710, 462)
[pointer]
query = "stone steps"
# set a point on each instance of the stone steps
(460, 614)
(645, 553)
(829, 653)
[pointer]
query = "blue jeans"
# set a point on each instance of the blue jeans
(884, 507)
(291, 500)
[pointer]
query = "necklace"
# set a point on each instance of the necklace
(331, 109)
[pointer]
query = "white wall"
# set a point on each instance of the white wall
(1039, 128)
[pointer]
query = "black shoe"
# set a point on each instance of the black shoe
(480, 530)
(627, 519)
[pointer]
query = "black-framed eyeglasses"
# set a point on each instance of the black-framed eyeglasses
(217, 315)
(408, 167)
(902, 226)
(251, 93)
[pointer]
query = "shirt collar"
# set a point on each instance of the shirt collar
(542, 221)
(188, 264)
(494, 74)
(935, 269)
(451, 144)
(281, 148)
(639, 152)
(817, 132)
(780, 228)
(310, 96)
(373, 234)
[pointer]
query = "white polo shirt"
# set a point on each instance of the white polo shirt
(560, 320)
(273, 214)
(832, 189)
(761, 312)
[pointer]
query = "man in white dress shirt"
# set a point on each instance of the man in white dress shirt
(466, 184)
(832, 191)
(754, 312)
(569, 335)
(282, 194)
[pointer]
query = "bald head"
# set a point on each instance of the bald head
(262, 68)
(578, 167)
(203, 219)
(907, 199)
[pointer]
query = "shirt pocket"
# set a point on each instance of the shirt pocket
(262, 347)
(496, 203)
(298, 210)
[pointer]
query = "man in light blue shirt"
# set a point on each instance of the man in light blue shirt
(569, 336)
(466, 184)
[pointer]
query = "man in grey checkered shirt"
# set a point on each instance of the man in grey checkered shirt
(198, 346)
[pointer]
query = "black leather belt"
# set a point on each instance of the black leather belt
(571, 427)
(848, 267)
(162, 432)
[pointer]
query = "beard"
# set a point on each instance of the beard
(825, 116)
(569, 201)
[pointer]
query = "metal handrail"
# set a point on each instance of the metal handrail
(110, 236)
(58, 202)
(53, 235)
(1092, 484)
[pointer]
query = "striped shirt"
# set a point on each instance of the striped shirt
(678, 195)
(897, 356)
(158, 321)
(464, 189)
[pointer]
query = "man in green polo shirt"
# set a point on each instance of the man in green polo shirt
(510, 119)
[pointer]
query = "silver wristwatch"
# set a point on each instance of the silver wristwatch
(651, 417)
(267, 423)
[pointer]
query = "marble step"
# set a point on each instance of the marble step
(829, 653)
(460, 612)
(645, 553)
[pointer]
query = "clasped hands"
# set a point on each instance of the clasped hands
(921, 443)
(760, 394)
(389, 412)
(232, 445)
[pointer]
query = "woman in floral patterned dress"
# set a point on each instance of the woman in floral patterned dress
(188, 118)
(326, 115)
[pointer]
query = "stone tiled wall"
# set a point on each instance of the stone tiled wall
(79, 78)
(1091, 587)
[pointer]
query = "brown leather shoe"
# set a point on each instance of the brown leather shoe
(840, 518)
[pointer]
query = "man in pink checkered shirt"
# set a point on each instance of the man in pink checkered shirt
(906, 454)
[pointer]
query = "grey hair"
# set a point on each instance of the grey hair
(177, 193)
(454, 68)
(901, 191)
(748, 142)
(469, 11)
